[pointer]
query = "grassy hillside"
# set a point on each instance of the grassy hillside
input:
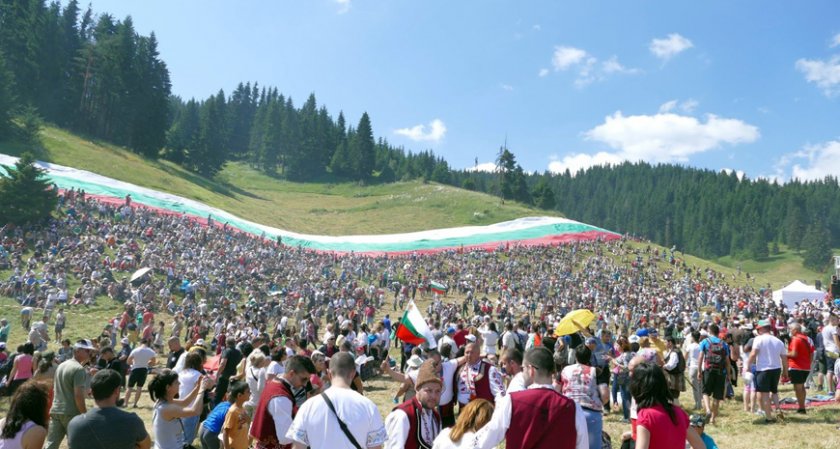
(341, 209)
(333, 209)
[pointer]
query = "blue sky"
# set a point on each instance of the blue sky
(752, 86)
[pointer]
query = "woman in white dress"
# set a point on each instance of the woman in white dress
(474, 416)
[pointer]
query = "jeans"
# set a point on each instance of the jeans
(209, 440)
(594, 427)
(623, 390)
(190, 428)
(696, 387)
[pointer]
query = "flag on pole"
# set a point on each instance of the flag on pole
(413, 328)
(438, 287)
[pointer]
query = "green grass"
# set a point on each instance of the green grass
(780, 268)
(317, 208)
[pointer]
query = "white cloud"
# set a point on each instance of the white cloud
(419, 133)
(738, 173)
(687, 106)
(669, 47)
(567, 57)
(537, 27)
(543, 73)
(816, 161)
(581, 161)
(613, 66)
(587, 66)
(488, 167)
(343, 6)
(506, 87)
(665, 137)
(835, 41)
(824, 73)
(668, 106)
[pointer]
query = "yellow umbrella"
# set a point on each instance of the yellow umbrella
(584, 317)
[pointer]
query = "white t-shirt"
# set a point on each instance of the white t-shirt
(142, 356)
(358, 412)
(517, 383)
(828, 339)
(275, 368)
(491, 338)
(769, 351)
(188, 377)
(468, 440)
(256, 382)
(693, 351)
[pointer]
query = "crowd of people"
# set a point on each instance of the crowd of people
(242, 342)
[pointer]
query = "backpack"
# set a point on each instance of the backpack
(714, 356)
(517, 342)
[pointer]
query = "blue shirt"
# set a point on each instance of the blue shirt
(708, 441)
(704, 346)
(216, 418)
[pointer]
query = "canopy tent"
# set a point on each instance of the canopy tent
(797, 292)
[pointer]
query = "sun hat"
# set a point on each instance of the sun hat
(84, 344)
(414, 361)
(763, 323)
(427, 373)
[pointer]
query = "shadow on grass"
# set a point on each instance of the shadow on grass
(213, 186)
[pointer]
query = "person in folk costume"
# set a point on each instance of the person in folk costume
(415, 423)
(478, 378)
(276, 408)
(538, 417)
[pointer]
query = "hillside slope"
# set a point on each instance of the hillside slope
(338, 209)
(316, 208)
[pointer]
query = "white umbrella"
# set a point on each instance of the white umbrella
(139, 274)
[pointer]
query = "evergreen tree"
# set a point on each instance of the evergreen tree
(7, 98)
(817, 247)
(27, 196)
(361, 150)
(506, 164)
(543, 195)
(209, 153)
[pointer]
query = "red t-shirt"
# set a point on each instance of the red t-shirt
(664, 434)
(802, 347)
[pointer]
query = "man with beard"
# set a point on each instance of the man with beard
(415, 423)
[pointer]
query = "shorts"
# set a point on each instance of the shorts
(137, 378)
(714, 383)
(829, 364)
(798, 376)
(768, 381)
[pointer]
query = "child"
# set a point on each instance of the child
(237, 421)
(699, 423)
(65, 352)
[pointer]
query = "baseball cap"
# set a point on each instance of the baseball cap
(591, 341)
(697, 420)
(450, 330)
(633, 339)
(84, 344)
(763, 323)
(654, 331)
(642, 333)
(124, 341)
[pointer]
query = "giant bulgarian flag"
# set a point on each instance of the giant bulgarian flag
(528, 231)
(413, 328)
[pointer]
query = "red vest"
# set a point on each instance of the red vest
(415, 440)
(482, 386)
(541, 418)
(262, 429)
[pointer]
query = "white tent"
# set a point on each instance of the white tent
(797, 292)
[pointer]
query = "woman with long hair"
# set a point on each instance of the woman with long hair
(188, 378)
(25, 426)
(474, 416)
(22, 367)
(660, 424)
(167, 424)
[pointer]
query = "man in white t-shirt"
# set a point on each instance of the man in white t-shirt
(316, 424)
(140, 359)
(832, 349)
(692, 358)
(770, 358)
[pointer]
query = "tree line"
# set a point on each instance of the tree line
(97, 76)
